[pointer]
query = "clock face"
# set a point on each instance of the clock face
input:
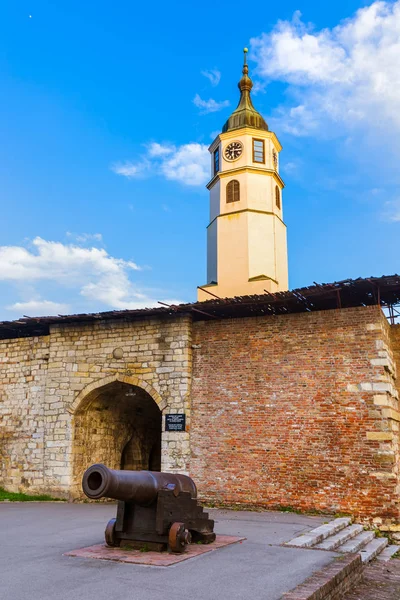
(233, 150)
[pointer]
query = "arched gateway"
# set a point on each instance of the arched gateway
(118, 423)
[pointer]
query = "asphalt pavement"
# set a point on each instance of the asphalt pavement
(34, 536)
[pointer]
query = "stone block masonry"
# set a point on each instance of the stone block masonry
(23, 373)
(47, 382)
(395, 346)
(298, 410)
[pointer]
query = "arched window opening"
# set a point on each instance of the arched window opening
(277, 197)
(233, 191)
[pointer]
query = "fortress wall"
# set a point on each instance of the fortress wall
(23, 369)
(298, 411)
(395, 342)
(46, 382)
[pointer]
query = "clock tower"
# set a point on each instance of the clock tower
(246, 237)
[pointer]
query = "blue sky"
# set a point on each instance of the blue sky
(106, 112)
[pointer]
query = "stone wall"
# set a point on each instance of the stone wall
(395, 342)
(48, 382)
(297, 410)
(23, 370)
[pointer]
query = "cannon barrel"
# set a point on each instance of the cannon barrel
(140, 487)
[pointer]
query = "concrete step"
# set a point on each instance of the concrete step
(333, 541)
(388, 552)
(358, 542)
(316, 536)
(373, 548)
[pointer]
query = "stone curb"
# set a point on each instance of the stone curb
(332, 582)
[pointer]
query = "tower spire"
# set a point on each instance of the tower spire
(245, 115)
(246, 236)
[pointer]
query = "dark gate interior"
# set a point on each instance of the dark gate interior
(118, 425)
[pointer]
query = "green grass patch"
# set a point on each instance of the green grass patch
(18, 497)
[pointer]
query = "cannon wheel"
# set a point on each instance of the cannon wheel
(110, 533)
(178, 537)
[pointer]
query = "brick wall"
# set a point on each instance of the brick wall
(297, 410)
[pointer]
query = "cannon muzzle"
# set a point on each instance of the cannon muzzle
(139, 487)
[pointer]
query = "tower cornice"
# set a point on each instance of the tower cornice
(238, 170)
(246, 210)
(250, 131)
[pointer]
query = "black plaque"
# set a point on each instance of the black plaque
(175, 422)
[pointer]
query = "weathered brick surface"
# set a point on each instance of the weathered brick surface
(332, 582)
(297, 410)
(381, 581)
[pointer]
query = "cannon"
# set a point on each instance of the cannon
(155, 510)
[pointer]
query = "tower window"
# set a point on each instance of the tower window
(216, 161)
(277, 197)
(258, 151)
(233, 191)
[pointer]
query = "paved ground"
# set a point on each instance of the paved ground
(381, 582)
(35, 535)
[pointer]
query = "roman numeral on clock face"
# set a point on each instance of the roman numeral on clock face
(233, 150)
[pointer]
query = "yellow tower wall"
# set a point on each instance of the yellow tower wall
(246, 239)
(233, 260)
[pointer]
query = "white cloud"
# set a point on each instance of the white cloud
(213, 75)
(155, 150)
(189, 163)
(209, 106)
(89, 274)
(259, 87)
(39, 308)
(57, 262)
(131, 170)
(391, 211)
(290, 167)
(347, 76)
(85, 237)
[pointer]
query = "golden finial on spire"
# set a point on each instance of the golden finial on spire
(245, 114)
(245, 67)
